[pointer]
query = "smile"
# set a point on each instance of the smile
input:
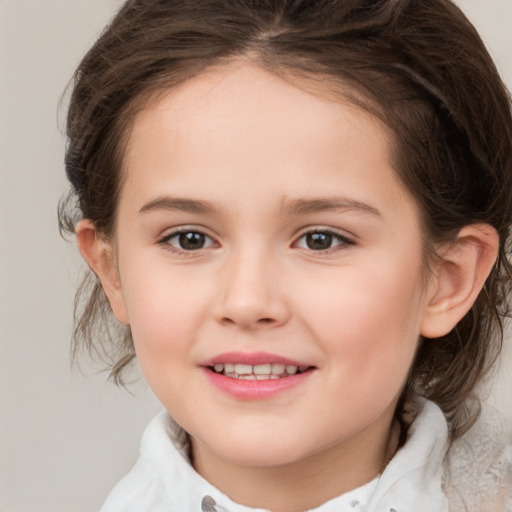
(268, 371)
(256, 375)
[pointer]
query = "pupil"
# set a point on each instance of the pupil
(318, 241)
(192, 241)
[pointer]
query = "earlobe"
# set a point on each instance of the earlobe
(99, 255)
(458, 278)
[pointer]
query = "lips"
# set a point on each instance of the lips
(250, 376)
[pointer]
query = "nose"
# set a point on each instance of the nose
(252, 294)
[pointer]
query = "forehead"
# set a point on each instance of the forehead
(241, 124)
(243, 95)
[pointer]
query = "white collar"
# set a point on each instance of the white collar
(163, 479)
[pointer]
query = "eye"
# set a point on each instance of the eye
(187, 240)
(322, 240)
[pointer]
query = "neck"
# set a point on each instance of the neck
(306, 483)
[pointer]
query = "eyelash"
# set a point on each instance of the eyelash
(343, 242)
(165, 241)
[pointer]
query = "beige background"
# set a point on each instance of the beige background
(66, 439)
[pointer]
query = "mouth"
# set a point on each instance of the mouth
(266, 371)
(250, 376)
(256, 375)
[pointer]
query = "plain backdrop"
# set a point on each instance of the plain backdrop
(65, 438)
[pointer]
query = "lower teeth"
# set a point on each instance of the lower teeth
(253, 376)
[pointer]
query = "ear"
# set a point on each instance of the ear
(99, 254)
(458, 278)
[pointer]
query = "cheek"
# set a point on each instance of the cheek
(369, 326)
(163, 315)
(163, 331)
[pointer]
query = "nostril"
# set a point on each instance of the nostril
(261, 321)
(227, 320)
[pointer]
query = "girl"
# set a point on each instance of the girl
(298, 213)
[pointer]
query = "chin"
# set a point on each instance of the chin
(258, 449)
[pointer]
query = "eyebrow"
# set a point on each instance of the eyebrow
(318, 205)
(178, 203)
(301, 206)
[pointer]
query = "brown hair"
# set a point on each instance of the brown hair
(418, 65)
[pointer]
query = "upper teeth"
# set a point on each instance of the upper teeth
(257, 371)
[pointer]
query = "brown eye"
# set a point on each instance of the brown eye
(191, 241)
(188, 240)
(319, 241)
(323, 241)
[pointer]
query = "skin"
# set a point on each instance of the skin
(266, 162)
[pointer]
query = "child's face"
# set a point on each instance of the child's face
(262, 222)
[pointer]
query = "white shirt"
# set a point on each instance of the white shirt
(163, 479)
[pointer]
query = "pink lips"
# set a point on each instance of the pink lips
(254, 389)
